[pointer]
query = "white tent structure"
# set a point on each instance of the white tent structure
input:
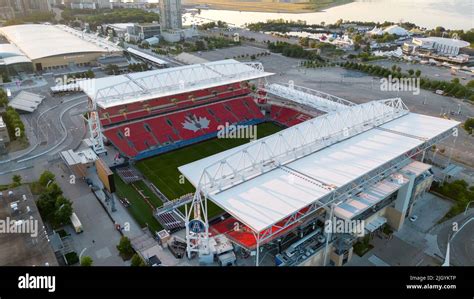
(396, 30)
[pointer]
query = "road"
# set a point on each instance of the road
(462, 246)
(56, 125)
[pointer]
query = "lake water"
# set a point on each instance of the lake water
(452, 14)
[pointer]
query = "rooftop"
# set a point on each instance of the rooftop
(272, 196)
(39, 40)
(26, 101)
(446, 41)
(23, 249)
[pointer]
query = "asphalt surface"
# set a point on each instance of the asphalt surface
(462, 245)
(55, 126)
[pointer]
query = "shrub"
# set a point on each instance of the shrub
(125, 248)
(71, 258)
(86, 261)
(137, 261)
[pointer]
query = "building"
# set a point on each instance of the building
(438, 48)
(139, 32)
(29, 244)
(129, 4)
(17, 8)
(13, 61)
(441, 45)
(90, 4)
(51, 47)
(145, 31)
(170, 15)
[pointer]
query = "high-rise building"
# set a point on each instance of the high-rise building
(17, 8)
(170, 15)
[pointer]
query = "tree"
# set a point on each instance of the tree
(86, 261)
(112, 69)
(16, 180)
(469, 125)
(54, 190)
(137, 261)
(53, 206)
(46, 177)
(125, 246)
(455, 80)
(470, 84)
(16, 128)
(3, 98)
(200, 45)
(411, 72)
(418, 73)
(63, 211)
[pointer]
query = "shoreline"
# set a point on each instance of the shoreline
(260, 7)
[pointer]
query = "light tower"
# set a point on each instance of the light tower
(95, 130)
(197, 227)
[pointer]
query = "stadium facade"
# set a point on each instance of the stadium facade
(334, 161)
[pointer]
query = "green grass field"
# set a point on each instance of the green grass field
(163, 172)
(139, 209)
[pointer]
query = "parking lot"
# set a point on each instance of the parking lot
(431, 71)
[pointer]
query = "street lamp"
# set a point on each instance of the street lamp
(434, 155)
(446, 259)
(467, 206)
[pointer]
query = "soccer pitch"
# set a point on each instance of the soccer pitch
(163, 172)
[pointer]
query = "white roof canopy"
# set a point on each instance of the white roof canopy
(268, 198)
(119, 90)
(40, 40)
(26, 101)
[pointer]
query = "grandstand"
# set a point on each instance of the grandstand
(148, 113)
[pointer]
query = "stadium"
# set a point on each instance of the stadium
(317, 157)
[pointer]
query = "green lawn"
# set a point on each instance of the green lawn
(139, 209)
(163, 169)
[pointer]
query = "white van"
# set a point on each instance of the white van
(76, 223)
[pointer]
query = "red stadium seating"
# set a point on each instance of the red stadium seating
(182, 125)
(286, 116)
(121, 113)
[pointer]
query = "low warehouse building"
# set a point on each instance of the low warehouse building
(57, 46)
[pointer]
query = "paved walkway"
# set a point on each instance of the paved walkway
(100, 238)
